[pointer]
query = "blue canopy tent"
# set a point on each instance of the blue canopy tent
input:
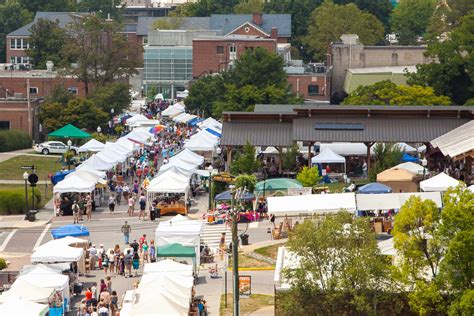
(225, 196)
(408, 158)
(70, 230)
(374, 188)
(213, 132)
(60, 175)
(195, 121)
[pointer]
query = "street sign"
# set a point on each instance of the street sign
(245, 285)
(28, 167)
(33, 179)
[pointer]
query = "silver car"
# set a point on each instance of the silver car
(54, 147)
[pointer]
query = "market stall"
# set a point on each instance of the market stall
(311, 204)
(439, 183)
(412, 167)
(23, 290)
(328, 157)
(178, 252)
(92, 146)
(169, 192)
(374, 188)
(23, 307)
(168, 266)
(271, 186)
(73, 230)
(399, 180)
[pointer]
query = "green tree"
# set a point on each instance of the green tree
(80, 112)
(380, 8)
(388, 93)
(60, 95)
(308, 177)
(101, 52)
(168, 23)
(12, 17)
(447, 16)
(208, 7)
(246, 162)
(47, 40)
(247, 181)
(249, 6)
(289, 158)
(386, 156)
(329, 21)
(417, 240)
(112, 96)
(49, 5)
(240, 88)
(340, 268)
(450, 72)
(410, 19)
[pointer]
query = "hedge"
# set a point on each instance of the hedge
(3, 264)
(14, 140)
(12, 201)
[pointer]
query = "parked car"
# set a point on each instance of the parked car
(54, 147)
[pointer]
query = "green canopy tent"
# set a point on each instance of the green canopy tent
(69, 131)
(277, 184)
(176, 250)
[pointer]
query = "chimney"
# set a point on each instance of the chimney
(49, 66)
(257, 19)
(274, 33)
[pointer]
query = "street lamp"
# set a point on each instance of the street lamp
(424, 163)
(99, 129)
(68, 157)
(25, 177)
(210, 169)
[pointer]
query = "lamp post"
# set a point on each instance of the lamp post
(69, 144)
(112, 111)
(210, 169)
(25, 177)
(424, 163)
(99, 129)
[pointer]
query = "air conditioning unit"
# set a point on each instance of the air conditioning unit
(18, 95)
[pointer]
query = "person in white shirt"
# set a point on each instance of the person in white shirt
(93, 256)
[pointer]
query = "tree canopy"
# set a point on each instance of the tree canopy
(410, 19)
(47, 40)
(101, 52)
(450, 72)
(329, 21)
(308, 177)
(243, 86)
(245, 162)
(12, 17)
(388, 93)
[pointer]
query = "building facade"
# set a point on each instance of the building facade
(349, 53)
(20, 114)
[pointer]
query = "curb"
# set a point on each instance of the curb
(253, 269)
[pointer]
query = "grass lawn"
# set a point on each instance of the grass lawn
(339, 186)
(247, 305)
(41, 187)
(269, 251)
(11, 169)
(249, 262)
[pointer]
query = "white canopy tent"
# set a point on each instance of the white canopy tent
(183, 118)
(345, 149)
(57, 250)
(172, 111)
(169, 175)
(141, 135)
(23, 308)
(24, 290)
(188, 156)
(136, 118)
(92, 145)
(169, 185)
(311, 204)
(202, 141)
(168, 266)
(89, 175)
(412, 167)
(181, 230)
(387, 201)
(178, 163)
(209, 123)
(113, 153)
(175, 283)
(95, 162)
(328, 156)
(387, 247)
(471, 188)
(440, 182)
(176, 170)
(75, 183)
(458, 142)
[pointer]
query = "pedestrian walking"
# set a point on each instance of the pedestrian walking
(152, 251)
(75, 212)
(126, 192)
(136, 263)
(126, 229)
(118, 191)
(114, 303)
(112, 204)
(108, 282)
(131, 205)
(222, 246)
(142, 203)
(89, 208)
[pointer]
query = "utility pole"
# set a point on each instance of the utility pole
(235, 255)
(30, 127)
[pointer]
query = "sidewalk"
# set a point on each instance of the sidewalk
(43, 217)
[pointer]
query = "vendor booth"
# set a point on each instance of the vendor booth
(73, 230)
(374, 188)
(170, 191)
(189, 157)
(168, 266)
(328, 157)
(23, 307)
(412, 167)
(439, 183)
(399, 180)
(393, 201)
(270, 186)
(92, 146)
(23, 290)
(180, 230)
(311, 204)
(178, 252)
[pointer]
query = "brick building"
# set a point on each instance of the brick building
(14, 115)
(213, 54)
(35, 83)
(311, 85)
(349, 54)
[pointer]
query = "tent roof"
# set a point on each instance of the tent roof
(57, 250)
(179, 226)
(15, 306)
(395, 174)
(96, 162)
(24, 290)
(387, 201)
(168, 185)
(328, 156)
(188, 156)
(374, 188)
(409, 158)
(180, 164)
(168, 266)
(175, 250)
(209, 123)
(45, 277)
(411, 167)
(172, 111)
(471, 188)
(74, 183)
(92, 145)
(277, 184)
(69, 131)
(438, 183)
(456, 142)
(176, 170)
(313, 203)
(136, 118)
(202, 141)
(70, 230)
(226, 196)
(346, 149)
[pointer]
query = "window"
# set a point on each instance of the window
(232, 48)
(220, 49)
(313, 89)
(12, 43)
(4, 125)
(19, 43)
(33, 90)
(24, 43)
(145, 40)
(72, 90)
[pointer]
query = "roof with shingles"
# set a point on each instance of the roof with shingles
(64, 19)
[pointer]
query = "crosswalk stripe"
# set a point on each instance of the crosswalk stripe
(211, 234)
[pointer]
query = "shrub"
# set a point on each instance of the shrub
(14, 139)
(3, 264)
(12, 201)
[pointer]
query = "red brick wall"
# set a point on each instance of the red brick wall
(137, 41)
(299, 85)
(16, 112)
(13, 52)
(254, 32)
(206, 60)
(44, 85)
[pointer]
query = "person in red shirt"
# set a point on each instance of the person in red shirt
(141, 241)
(88, 296)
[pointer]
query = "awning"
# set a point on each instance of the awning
(328, 156)
(92, 145)
(388, 201)
(457, 143)
(374, 188)
(175, 250)
(70, 230)
(69, 131)
(439, 183)
(310, 204)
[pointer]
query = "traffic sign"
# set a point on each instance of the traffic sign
(28, 167)
(32, 178)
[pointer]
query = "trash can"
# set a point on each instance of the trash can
(152, 214)
(157, 213)
(245, 239)
(31, 215)
(78, 288)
